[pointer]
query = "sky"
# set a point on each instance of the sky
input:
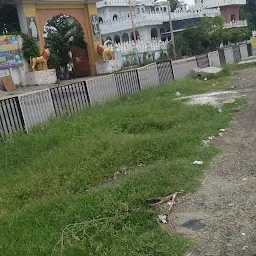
(189, 2)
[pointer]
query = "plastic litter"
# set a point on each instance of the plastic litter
(204, 143)
(194, 225)
(205, 79)
(162, 218)
(198, 162)
(178, 94)
(220, 134)
(222, 130)
(220, 110)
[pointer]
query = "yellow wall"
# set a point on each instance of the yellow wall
(89, 9)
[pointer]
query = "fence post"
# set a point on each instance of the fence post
(138, 78)
(20, 113)
(87, 94)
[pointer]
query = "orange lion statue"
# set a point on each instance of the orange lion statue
(105, 52)
(40, 63)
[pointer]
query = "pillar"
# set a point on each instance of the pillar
(90, 9)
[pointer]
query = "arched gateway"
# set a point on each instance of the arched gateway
(33, 15)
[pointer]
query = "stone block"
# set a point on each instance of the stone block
(107, 67)
(41, 77)
(205, 72)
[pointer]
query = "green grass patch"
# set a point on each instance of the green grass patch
(62, 172)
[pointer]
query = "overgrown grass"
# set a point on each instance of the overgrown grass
(61, 174)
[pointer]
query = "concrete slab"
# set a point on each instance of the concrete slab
(250, 61)
(205, 72)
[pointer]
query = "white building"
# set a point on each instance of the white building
(151, 18)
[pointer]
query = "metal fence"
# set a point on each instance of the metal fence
(101, 89)
(214, 59)
(70, 98)
(165, 71)
(203, 61)
(236, 52)
(11, 118)
(148, 76)
(25, 111)
(36, 107)
(127, 82)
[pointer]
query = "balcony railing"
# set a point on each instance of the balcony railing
(219, 3)
(236, 24)
(153, 18)
(122, 3)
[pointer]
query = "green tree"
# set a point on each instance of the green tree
(29, 47)
(206, 36)
(248, 12)
(9, 22)
(174, 4)
(61, 33)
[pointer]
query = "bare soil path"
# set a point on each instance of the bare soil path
(226, 202)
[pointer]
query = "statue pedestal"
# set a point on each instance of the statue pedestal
(107, 67)
(41, 77)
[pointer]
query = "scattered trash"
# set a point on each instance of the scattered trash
(162, 218)
(198, 162)
(244, 248)
(140, 164)
(229, 245)
(244, 179)
(211, 137)
(192, 254)
(220, 110)
(220, 134)
(213, 84)
(194, 225)
(229, 101)
(160, 200)
(232, 87)
(222, 130)
(243, 234)
(231, 205)
(205, 79)
(204, 143)
(178, 94)
(170, 204)
(205, 180)
(116, 174)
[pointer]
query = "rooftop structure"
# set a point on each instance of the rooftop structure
(151, 17)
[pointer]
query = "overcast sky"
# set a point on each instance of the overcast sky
(189, 2)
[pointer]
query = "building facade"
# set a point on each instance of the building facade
(151, 18)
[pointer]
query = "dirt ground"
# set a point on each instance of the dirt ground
(226, 201)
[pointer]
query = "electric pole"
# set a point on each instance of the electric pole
(171, 29)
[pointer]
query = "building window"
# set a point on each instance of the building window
(137, 35)
(154, 33)
(233, 17)
(138, 10)
(108, 38)
(100, 20)
(115, 17)
(117, 39)
(157, 9)
(164, 9)
(125, 37)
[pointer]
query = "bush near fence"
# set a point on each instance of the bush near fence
(25, 111)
